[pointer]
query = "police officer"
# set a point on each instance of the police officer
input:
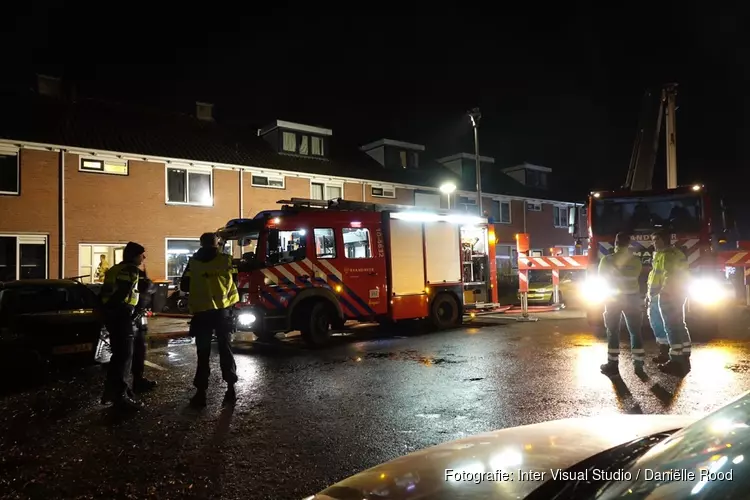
(146, 290)
(119, 297)
(622, 269)
(209, 278)
(667, 286)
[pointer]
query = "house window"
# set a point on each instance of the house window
(325, 191)
(103, 166)
(92, 256)
(404, 161)
(357, 243)
(10, 174)
(189, 186)
(23, 257)
(271, 181)
(179, 251)
(501, 211)
(533, 206)
(317, 146)
(383, 192)
(289, 142)
(560, 215)
(325, 243)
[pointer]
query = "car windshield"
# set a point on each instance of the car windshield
(678, 213)
(540, 277)
(44, 298)
(704, 460)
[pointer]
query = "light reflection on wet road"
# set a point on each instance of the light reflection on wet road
(307, 418)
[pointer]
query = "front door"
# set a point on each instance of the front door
(353, 265)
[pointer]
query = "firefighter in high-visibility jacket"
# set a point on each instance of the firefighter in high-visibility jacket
(667, 285)
(622, 269)
(119, 298)
(209, 278)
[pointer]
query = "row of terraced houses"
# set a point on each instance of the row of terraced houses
(79, 178)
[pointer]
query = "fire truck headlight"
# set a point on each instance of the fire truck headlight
(707, 291)
(596, 290)
(246, 319)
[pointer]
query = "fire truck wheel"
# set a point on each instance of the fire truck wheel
(316, 330)
(445, 312)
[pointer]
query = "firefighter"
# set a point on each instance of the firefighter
(622, 270)
(119, 297)
(146, 290)
(209, 278)
(666, 287)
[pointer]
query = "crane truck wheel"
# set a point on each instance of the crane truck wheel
(316, 327)
(445, 312)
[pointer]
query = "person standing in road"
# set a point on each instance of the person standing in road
(119, 297)
(622, 270)
(654, 316)
(146, 290)
(209, 278)
(667, 286)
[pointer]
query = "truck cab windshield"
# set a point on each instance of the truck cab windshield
(681, 214)
(285, 246)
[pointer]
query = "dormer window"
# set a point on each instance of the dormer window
(302, 144)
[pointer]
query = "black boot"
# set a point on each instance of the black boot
(675, 367)
(199, 400)
(639, 369)
(230, 396)
(610, 369)
(143, 385)
(126, 403)
(663, 356)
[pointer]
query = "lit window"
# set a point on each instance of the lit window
(190, 187)
(317, 146)
(103, 166)
(357, 243)
(289, 142)
(325, 191)
(383, 192)
(268, 181)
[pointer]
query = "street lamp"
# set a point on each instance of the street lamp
(474, 116)
(448, 188)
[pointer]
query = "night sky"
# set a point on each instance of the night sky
(556, 88)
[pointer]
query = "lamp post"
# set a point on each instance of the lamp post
(448, 188)
(475, 115)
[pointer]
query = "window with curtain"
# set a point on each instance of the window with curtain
(289, 142)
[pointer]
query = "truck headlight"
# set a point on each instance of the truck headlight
(596, 290)
(707, 291)
(246, 319)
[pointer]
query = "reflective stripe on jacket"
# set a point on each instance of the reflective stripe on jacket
(669, 272)
(623, 269)
(211, 284)
(121, 275)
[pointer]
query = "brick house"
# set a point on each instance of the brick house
(80, 179)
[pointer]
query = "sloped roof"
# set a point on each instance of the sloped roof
(96, 124)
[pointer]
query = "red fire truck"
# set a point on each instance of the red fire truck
(312, 266)
(687, 212)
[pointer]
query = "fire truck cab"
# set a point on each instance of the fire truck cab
(312, 266)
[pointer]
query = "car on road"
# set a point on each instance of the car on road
(541, 290)
(49, 320)
(603, 457)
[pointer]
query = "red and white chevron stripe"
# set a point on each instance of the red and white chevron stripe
(572, 262)
(523, 280)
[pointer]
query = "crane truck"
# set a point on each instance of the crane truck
(688, 212)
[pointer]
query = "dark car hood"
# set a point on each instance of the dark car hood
(558, 444)
(56, 323)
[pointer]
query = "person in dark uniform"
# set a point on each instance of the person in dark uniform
(146, 290)
(209, 278)
(119, 297)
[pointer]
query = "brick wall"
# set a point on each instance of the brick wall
(36, 209)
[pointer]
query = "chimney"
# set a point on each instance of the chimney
(49, 85)
(204, 111)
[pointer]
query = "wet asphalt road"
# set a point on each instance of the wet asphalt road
(306, 419)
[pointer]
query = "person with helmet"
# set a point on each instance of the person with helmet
(667, 286)
(209, 278)
(622, 269)
(119, 298)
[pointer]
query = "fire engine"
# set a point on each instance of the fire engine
(687, 212)
(314, 265)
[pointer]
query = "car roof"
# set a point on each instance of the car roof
(38, 282)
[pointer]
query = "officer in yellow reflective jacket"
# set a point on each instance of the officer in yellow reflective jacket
(667, 288)
(209, 278)
(622, 270)
(119, 297)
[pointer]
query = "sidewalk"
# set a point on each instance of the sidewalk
(162, 327)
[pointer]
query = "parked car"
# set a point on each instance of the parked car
(602, 457)
(541, 291)
(50, 321)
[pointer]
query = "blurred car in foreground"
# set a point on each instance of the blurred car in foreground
(49, 320)
(541, 290)
(605, 457)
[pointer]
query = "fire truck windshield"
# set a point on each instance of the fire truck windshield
(679, 213)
